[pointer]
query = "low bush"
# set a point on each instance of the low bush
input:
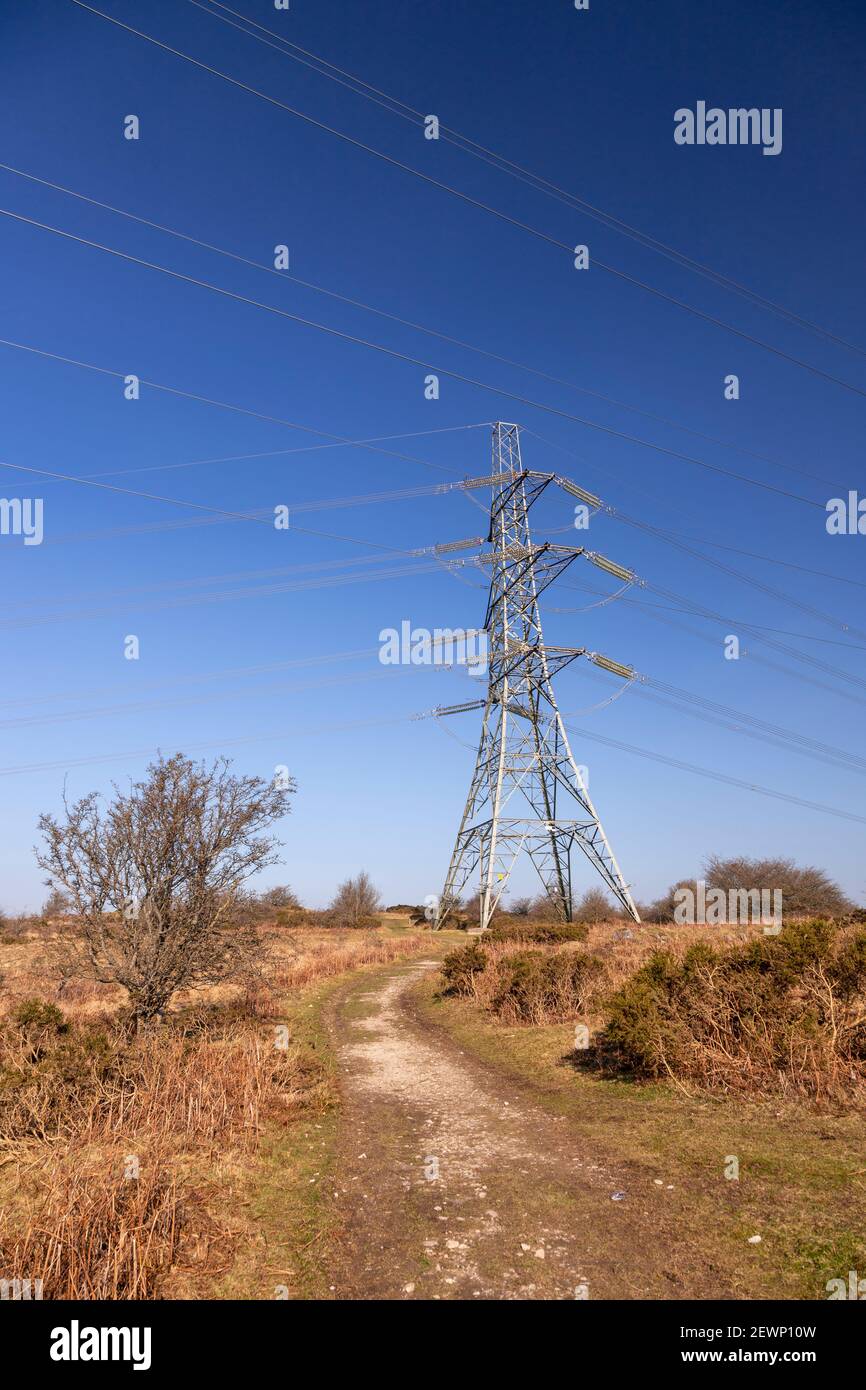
(460, 968)
(785, 1012)
(543, 986)
(539, 933)
(35, 1014)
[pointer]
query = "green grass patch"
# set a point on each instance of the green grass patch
(801, 1184)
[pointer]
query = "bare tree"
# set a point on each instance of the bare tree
(356, 902)
(594, 906)
(279, 896)
(57, 904)
(662, 910)
(804, 888)
(471, 909)
(543, 908)
(155, 876)
(520, 907)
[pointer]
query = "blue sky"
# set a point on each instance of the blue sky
(587, 100)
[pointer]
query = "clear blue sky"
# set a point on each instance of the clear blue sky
(585, 99)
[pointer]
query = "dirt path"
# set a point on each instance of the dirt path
(451, 1183)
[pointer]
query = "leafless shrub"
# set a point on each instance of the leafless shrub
(806, 890)
(356, 903)
(57, 904)
(154, 880)
(594, 906)
(662, 910)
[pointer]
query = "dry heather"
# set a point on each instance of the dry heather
(107, 1140)
(728, 1009)
(527, 974)
(779, 1015)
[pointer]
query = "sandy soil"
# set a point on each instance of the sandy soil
(451, 1183)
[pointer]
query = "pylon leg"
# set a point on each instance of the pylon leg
(524, 758)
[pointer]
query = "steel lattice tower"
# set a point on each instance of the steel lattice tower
(527, 793)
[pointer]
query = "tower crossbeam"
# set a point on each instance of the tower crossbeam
(524, 762)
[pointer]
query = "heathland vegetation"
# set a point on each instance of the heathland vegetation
(153, 1045)
(164, 1074)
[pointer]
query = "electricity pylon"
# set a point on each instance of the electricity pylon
(524, 761)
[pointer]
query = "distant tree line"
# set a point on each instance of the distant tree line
(806, 892)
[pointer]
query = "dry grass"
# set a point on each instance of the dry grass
(709, 1009)
(327, 958)
(84, 1107)
(785, 1015)
(619, 950)
(101, 1235)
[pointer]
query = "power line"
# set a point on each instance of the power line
(644, 685)
(779, 594)
(68, 478)
(262, 591)
(407, 357)
(475, 202)
(107, 371)
(723, 545)
(786, 671)
(203, 677)
(716, 776)
(198, 678)
(713, 712)
(196, 506)
(671, 608)
(766, 731)
(504, 165)
(198, 700)
(223, 405)
(303, 449)
(285, 736)
(663, 616)
(417, 327)
(761, 637)
(671, 538)
(787, 564)
(259, 514)
(195, 600)
(41, 352)
(305, 569)
(302, 571)
(696, 610)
